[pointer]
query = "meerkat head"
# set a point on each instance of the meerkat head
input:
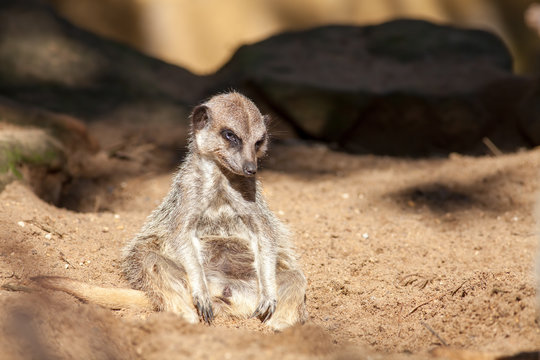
(230, 130)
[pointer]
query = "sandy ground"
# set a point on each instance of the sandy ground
(402, 256)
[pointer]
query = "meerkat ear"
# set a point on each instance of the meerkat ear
(200, 117)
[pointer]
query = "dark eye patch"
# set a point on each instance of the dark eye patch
(230, 136)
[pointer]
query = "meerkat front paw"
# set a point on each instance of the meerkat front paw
(203, 304)
(265, 309)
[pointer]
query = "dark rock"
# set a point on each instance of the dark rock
(529, 114)
(46, 61)
(406, 87)
(399, 124)
(68, 78)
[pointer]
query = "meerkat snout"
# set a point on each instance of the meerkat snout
(250, 168)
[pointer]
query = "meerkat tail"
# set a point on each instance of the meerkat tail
(538, 287)
(537, 278)
(537, 260)
(112, 298)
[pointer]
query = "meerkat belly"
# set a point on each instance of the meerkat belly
(224, 243)
(230, 256)
(221, 221)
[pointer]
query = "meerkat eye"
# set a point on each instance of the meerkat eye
(231, 137)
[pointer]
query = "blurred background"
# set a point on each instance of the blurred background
(201, 35)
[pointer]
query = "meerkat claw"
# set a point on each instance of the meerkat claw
(205, 311)
(265, 310)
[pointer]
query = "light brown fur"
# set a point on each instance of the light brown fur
(537, 260)
(213, 245)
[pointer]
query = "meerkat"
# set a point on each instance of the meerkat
(213, 245)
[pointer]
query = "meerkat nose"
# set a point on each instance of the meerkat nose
(250, 168)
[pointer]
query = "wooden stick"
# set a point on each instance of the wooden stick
(434, 333)
(419, 306)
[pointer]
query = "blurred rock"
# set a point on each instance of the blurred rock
(42, 148)
(172, 30)
(529, 114)
(69, 131)
(46, 61)
(401, 88)
(405, 87)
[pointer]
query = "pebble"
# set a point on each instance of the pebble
(345, 196)
(66, 266)
(48, 236)
(21, 223)
(365, 236)
(105, 229)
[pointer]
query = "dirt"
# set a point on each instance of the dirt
(403, 257)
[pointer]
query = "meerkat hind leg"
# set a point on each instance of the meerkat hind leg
(167, 286)
(291, 307)
(233, 283)
(239, 298)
